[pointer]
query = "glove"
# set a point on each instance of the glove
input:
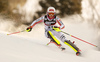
(56, 28)
(29, 29)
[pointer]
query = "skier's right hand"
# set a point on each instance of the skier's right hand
(29, 29)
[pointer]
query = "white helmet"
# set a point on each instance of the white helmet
(51, 10)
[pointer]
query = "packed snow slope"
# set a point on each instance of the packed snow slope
(31, 46)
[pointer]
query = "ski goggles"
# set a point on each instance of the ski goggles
(51, 13)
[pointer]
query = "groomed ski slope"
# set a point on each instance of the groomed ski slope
(31, 47)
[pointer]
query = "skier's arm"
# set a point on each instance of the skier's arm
(60, 23)
(37, 21)
(34, 23)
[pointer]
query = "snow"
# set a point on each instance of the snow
(18, 48)
(31, 46)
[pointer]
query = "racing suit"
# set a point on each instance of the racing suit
(52, 33)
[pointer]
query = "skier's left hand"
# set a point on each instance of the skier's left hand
(56, 28)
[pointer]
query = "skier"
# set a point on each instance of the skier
(51, 29)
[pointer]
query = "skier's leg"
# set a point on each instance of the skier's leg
(73, 46)
(61, 36)
(53, 38)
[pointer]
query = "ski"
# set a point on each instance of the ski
(62, 48)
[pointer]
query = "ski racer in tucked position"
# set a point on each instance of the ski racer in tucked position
(52, 30)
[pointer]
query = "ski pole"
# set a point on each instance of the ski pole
(79, 39)
(16, 32)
